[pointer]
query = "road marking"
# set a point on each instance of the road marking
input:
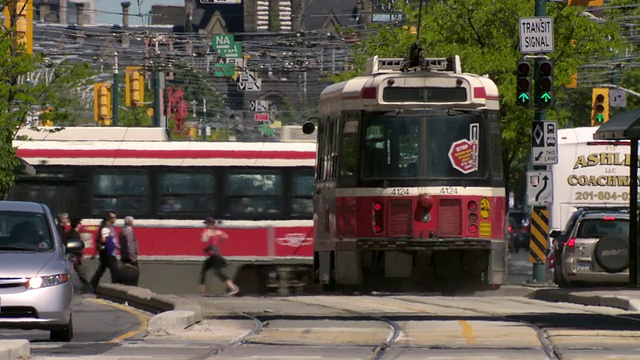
(139, 314)
(467, 332)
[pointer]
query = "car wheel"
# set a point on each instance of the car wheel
(64, 334)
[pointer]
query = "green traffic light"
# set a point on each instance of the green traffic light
(546, 97)
(523, 97)
(599, 118)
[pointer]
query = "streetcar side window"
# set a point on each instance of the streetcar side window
(120, 191)
(348, 154)
(187, 192)
(253, 192)
(301, 203)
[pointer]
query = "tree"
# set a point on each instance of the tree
(485, 35)
(19, 96)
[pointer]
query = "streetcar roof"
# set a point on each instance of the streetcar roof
(163, 153)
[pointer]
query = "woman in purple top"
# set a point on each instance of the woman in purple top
(108, 249)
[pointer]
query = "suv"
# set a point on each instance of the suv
(35, 275)
(593, 247)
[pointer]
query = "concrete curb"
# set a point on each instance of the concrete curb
(14, 349)
(586, 298)
(174, 313)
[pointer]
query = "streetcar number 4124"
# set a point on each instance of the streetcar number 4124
(400, 191)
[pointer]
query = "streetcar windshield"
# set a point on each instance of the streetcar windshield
(425, 146)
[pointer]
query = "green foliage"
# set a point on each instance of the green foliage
(485, 35)
(19, 96)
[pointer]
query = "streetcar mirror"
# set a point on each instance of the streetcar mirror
(554, 234)
(308, 128)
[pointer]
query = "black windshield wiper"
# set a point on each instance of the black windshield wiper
(14, 248)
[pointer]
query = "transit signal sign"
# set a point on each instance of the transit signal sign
(536, 35)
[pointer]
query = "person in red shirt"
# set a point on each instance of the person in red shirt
(214, 237)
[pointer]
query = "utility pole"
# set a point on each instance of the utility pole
(539, 268)
(114, 90)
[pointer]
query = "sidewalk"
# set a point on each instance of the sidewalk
(620, 298)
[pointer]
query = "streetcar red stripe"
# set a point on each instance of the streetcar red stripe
(165, 154)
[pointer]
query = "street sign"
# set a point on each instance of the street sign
(234, 52)
(539, 188)
(261, 117)
(259, 105)
(544, 142)
(222, 41)
(536, 35)
(249, 82)
(617, 98)
(250, 86)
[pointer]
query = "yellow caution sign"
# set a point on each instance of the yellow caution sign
(485, 208)
(539, 230)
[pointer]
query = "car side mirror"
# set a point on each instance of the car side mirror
(74, 246)
(554, 234)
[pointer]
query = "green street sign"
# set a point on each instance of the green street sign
(600, 118)
(224, 70)
(222, 41)
(234, 52)
(546, 97)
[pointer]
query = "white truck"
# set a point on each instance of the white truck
(589, 173)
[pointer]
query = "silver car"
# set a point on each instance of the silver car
(35, 276)
(597, 249)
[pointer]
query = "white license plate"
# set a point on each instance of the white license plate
(584, 266)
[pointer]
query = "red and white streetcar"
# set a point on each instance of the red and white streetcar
(261, 192)
(409, 180)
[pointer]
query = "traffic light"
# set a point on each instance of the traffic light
(589, 3)
(101, 102)
(45, 116)
(600, 106)
(21, 11)
(523, 83)
(544, 84)
(134, 82)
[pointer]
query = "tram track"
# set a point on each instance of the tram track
(400, 316)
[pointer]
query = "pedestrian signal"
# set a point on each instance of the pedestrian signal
(600, 106)
(523, 83)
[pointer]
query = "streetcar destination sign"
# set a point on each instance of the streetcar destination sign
(536, 35)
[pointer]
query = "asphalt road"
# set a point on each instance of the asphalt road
(492, 325)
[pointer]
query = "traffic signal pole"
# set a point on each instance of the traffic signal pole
(114, 91)
(539, 273)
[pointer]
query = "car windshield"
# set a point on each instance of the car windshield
(24, 231)
(597, 228)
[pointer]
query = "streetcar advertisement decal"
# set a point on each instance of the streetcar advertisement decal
(464, 153)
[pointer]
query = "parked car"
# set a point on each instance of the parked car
(35, 276)
(557, 241)
(594, 247)
(518, 230)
